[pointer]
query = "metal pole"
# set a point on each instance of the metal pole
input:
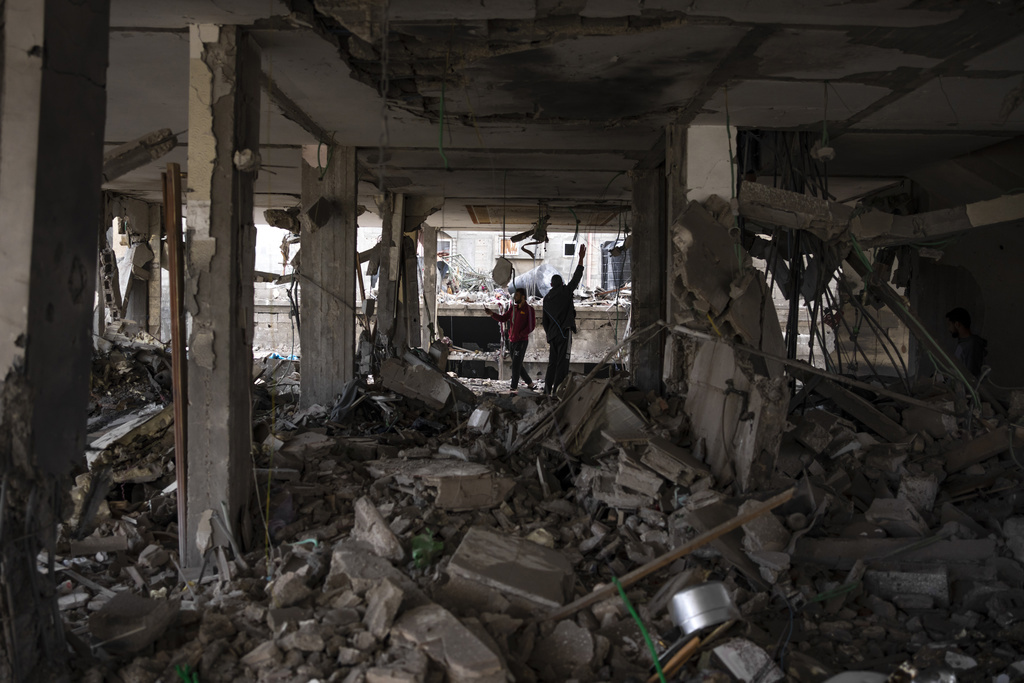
(179, 363)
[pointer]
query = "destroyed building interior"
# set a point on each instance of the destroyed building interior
(781, 453)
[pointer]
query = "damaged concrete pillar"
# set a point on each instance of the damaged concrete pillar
(398, 298)
(428, 309)
(224, 96)
(54, 62)
(155, 289)
(327, 272)
(649, 241)
(392, 208)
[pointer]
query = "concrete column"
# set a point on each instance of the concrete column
(224, 96)
(52, 110)
(327, 268)
(649, 283)
(392, 209)
(428, 312)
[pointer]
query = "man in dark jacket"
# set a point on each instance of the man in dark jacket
(970, 348)
(522, 320)
(559, 324)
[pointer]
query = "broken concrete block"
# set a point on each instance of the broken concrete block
(1013, 531)
(263, 655)
(935, 424)
(79, 598)
(635, 478)
(128, 623)
(673, 462)
(480, 420)
(306, 639)
(933, 582)
(381, 675)
(766, 532)
(215, 626)
(153, 556)
(415, 382)
(353, 564)
(383, 602)
(748, 662)
(371, 528)
(280, 616)
(920, 490)
(897, 516)
(570, 646)
(821, 431)
(513, 565)
(472, 492)
(290, 588)
(448, 642)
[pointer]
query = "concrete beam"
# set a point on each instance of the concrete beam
(126, 158)
(327, 274)
(831, 220)
(220, 262)
(53, 102)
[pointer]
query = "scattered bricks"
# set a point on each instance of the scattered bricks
(383, 603)
(933, 582)
(919, 490)
(373, 529)
(897, 516)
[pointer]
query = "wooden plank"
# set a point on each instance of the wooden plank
(671, 556)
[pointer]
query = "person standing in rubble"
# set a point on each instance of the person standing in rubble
(970, 348)
(522, 320)
(559, 324)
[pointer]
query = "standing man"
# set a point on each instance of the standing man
(559, 324)
(970, 348)
(522, 320)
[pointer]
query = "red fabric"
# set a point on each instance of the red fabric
(523, 321)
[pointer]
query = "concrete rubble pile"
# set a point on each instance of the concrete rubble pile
(414, 531)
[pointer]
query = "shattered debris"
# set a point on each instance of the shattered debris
(414, 531)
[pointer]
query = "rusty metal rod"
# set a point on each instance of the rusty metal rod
(179, 363)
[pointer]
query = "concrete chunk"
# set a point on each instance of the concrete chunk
(383, 603)
(444, 639)
(897, 516)
(672, 462)
(372, 528)
(472, 492)
(513, 565)
(891, 585)
(128, 623)
(568, 647)
(919, 490)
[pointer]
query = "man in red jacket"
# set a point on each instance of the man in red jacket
(522, 320)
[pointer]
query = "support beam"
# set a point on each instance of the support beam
(126, 158)
(873, 228)
(649, 238)
(327, 273)
(53, 64)
(220, 262)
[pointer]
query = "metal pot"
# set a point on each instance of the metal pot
(698, 606)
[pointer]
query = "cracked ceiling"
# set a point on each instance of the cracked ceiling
(553, 100)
